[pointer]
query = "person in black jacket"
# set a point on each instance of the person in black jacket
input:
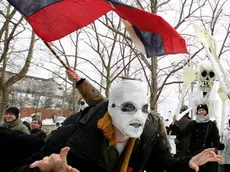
(115, 135)
(204, 134)
(36, 129)
(182, 144)
(16, 147)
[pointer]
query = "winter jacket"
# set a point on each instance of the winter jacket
(226, 151)
(182, 143)
(89, 149)
(16, 147)
(199, 141)
(38, 132)
(203, 135)
(16, 125)
(92, 97)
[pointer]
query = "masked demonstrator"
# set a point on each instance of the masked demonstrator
(114, 136)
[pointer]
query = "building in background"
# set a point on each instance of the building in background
(38, 92)
(48, 116)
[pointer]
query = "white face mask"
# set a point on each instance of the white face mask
(128, 107)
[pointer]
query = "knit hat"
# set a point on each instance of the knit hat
(202, 106)
(183, 108)
(13, 110)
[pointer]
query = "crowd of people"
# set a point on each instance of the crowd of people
(118, 134)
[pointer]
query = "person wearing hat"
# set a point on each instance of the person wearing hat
(182, 144)
(13, 121)
(204, 134)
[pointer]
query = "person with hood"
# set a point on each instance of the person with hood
(114, 136)
(226, 152)
(36, 130)
(13, 121)
(204, 134)
(182, 144)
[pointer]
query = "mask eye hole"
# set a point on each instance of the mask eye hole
(211, 74)
(82, 103)
(57, 124)
(145, 108)
(128, 107)
(204, 73)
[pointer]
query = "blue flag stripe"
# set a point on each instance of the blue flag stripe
(29, 7)
(152, 42)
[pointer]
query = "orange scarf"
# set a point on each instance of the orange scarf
(105, 124)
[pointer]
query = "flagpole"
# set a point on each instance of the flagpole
(52, 50)
(55, 54)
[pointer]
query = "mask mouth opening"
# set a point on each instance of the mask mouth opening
(135, 124)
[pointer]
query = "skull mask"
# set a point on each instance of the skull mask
(59, 121)
(82, 104)
(206, 76)
(128, 107)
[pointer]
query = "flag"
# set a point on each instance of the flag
(54, 19)
(150, 33)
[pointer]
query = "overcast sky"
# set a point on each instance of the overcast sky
(170, 13)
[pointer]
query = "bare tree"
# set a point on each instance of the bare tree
(115, 55)
(10, 31)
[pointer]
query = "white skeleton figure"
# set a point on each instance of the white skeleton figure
(206, 77)
(207, 91)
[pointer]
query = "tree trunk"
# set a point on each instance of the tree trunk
(108, 84)
(153, 92)
(4, 102)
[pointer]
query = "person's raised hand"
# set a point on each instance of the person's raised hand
(208, 155)
(72, 75)
(54, 163)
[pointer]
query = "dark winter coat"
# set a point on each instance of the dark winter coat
(38, 132)
(182, 143)
(203, 135)
(89, 151)
(16, 147)
(199, 139)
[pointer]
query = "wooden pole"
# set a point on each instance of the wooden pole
(55, 54)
